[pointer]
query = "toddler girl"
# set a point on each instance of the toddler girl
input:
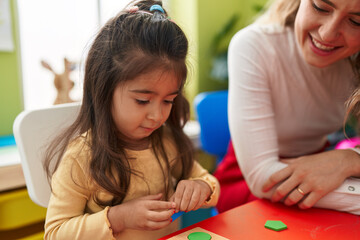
(125, 165)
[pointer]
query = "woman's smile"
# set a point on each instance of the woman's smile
(320, 48)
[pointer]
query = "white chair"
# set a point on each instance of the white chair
(33, 130)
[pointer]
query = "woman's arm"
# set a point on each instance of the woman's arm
(309, 178)
(252, 122)
(250, 109)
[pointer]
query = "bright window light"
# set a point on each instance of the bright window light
(51, 31)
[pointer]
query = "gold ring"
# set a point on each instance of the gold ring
(300, 191)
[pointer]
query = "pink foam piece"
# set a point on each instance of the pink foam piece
(348, 143)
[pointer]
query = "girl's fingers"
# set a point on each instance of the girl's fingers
(178, 196)
(160, 205)
(186, 198)
(275, 178)
(155, 225)
(201, 201)
(194, 200)
(160, 216)
(191, 194)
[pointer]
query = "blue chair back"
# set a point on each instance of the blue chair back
(211, 113)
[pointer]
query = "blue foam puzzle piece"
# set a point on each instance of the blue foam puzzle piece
(177, 215)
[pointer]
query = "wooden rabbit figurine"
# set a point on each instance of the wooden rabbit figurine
(62, 82)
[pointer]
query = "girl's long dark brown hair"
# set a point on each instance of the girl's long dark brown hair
(128, 45)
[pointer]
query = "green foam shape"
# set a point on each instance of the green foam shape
(275, 225)
(199, 236)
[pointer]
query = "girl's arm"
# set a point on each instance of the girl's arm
(72, 213)
(66, 217)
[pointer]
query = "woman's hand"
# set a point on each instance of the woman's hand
(190, 195)
(145, 213)
(307, 179)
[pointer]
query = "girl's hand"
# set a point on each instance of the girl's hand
(307, 179)
(145, 213)
(190, 195)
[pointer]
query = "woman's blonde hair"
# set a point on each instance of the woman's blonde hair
(282, 12)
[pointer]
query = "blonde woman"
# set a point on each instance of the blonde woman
(290, 74)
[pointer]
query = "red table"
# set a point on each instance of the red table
(247, 222)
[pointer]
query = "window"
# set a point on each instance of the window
(52, 30)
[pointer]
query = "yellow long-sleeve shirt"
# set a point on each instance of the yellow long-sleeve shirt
(72, 212)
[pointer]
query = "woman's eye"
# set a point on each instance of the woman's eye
(142, 102)
(356, 23)
(319, 9)
(169, 101)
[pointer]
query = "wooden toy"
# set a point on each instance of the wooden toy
(185, 235)
(62, 82)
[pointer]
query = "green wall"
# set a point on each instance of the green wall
(202, 20)
(184, 13)
(11, 103)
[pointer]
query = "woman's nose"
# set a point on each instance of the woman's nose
(330, 31)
